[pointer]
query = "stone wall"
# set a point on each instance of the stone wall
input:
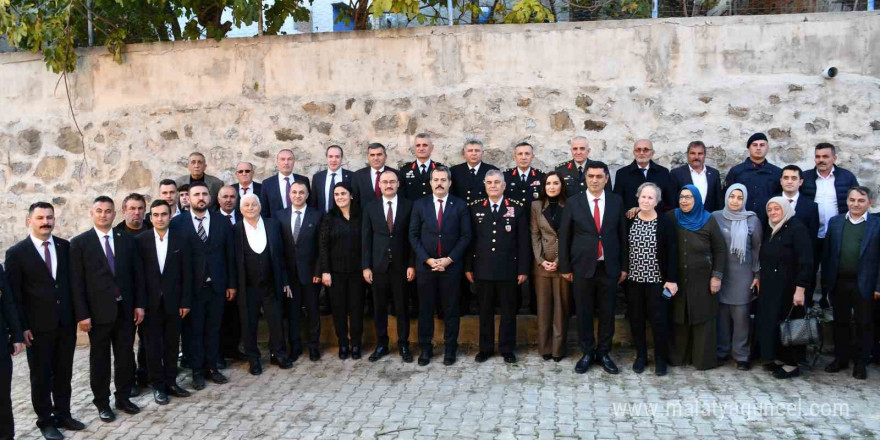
(670, 80)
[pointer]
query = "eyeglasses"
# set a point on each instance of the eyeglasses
(686, 197)
(244, 171)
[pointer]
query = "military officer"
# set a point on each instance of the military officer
(573, 170)
(522, 182)
(416, 174)
(467, 178)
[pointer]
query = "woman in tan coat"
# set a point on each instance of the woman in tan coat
(552, 291)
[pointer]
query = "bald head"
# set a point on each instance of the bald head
(643, 150)
(227, 197)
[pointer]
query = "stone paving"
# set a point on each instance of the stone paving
(334, 399)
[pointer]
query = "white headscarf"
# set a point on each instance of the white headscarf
(787, 210)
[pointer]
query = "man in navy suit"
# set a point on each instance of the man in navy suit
(467, 177)
(230, 330)
(850, 268)
(439, 232)
(275, 193)
(11, 331)
(365, 181)
(592, 239)
(214, 282)
(805, 209)
(697, 173)
(642, 169)
(299, 230)
(38, 268)
(323, 181)
(244, 173)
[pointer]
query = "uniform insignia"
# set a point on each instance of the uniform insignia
(507, 228)
(510, 211)
(410, 175)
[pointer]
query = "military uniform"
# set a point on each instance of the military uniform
(575, 182)
(415, 183)
(523, 192)
(467, 186)
(500, 252)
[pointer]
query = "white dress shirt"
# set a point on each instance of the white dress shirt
(476, 168)
(52, 254)
(500, 203)
(302, 218)
(855, 222)
(591, 199)
(393, 206)
(826, 198)
(374, 174)
(328, 191)
(249, 188)
(256, 235)
(794, 198)
(521, 173)
(437, 205)
(282, 187)
(644, 170)
(701, 182)
(427, 165)
(101, 236)
(206, 223)
(161, 249)
(229, 215)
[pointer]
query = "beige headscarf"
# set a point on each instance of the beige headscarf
(787, 213)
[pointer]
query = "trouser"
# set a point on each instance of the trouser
(118, 336)
(853, 322)
(430, 286)
(230, 329)
(205, 321)
(304, 296)
(140, 355)
(505, 293)
(50, 361)
(645, 302)
(347, 302)
(733, 331)
(599, 291)
(390, 284)
(7, 425)
(162, 339)
(817, 262)
(254, 300)
(554, 309)
(695, 344)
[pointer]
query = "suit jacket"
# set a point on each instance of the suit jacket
(274, 243)
(843, 181)
(236, 216)
(213, 259)
(869, 256)
(629, 178)
(270, 193)
(319, 199)
(681, 176)
(523, 193)
(454, 235)
(579, 239)
(93, 286)
(364, 185)
(413, 184)
(467, 187)
(545, 240)
(255, 188)
(148, 225)
(174, 282)
(214, 185)
(301, 256)
(43, 302)
(379, 246)
(500, 247)
(807, 211)
(9, 325)
(575, 182)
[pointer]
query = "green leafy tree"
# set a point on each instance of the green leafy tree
(434, 11)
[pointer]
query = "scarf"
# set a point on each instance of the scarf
(697, 217)
(739, 225)
(553, 213)
(787, 210)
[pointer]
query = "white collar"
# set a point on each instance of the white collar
(476, 167)
(830, 175)
(648, 166)
(697, 172)
(39, 243)
(102, 234)
(861, 220)
(524, 173)
(302, 210)
(500, 201)
(282, 176)
(156, 235)
(426, 164)
(258, 227)
(392, 200)
(591, 197)
(227, 213)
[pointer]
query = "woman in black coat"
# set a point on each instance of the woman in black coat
(339, 259)
(786, 270)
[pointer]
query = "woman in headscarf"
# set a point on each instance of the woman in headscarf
(701, 255)
(786, 269)
(742, 232)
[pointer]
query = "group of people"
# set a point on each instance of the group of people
(713, 266)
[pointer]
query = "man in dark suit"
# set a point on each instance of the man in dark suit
(214, 282)
(196, 165)
(168, 193)
(522, 182)
(572, 171)
(275, 193)
(228, 204)
(388, 261)
(230, 329)
(104, 283)
(439, 232)
(642, 169)
(166, 258)
(38, 269)
(850, 267)
(365, 182)
(592, 239)
(697, 173)
(498, 261)
(467, 177)
(11, 330)
(262, 282)
(244, 173)
(324, 180)
(416, 175)
(759, 176)
(805, 209)
(299, 230)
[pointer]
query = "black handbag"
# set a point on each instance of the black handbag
(801, 331)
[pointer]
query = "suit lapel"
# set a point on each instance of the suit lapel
(870, 230)
(609, 205)
(35, 255)
(98, 246)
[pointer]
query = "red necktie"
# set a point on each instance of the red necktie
(376, 189)
(439, 227)
(390, 218)
(598, 220)
(245, 190)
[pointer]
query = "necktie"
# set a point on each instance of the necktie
(439, 227)
(201, 230)
(644, 172)
(287, 193)
(791, 201)
(495, 210)
(111, 261)
(474, 172)
(424, 169)
(245, 190)
(523, 178)
(597, 218)
(581, 170)
(229, 216)
(48, 256)
(331, 202)
(377, 190)
(390, 218)
(297, 225)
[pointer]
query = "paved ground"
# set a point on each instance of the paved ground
(336, 399)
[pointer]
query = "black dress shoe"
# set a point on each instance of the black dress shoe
(127, 406)
(547, 357)
(106, 414)
(160, 397)
(639, 365)
(608, 364)
(274, 360)
(295, 355)
(771, 366)
(355, 352)
(343, 352)
(859, 371)
(286, 364)
(583, 364)
(198, 381)
(314, 354)
(135, 391)
(221, 364)
(217, 377)
(743, 365)
(406, 354)
(836, 365)
(380, 351)
(482, 357)
(425, 357)
(69, 423)
(782, 374)
(660, 367)
(256, 368)
(50, 432)
(178, 391)
(557, 358)
(449, 358)
(509, 358)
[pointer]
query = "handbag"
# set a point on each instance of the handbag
(801, 331)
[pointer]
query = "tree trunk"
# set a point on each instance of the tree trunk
(360, 15)
(172, 20)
